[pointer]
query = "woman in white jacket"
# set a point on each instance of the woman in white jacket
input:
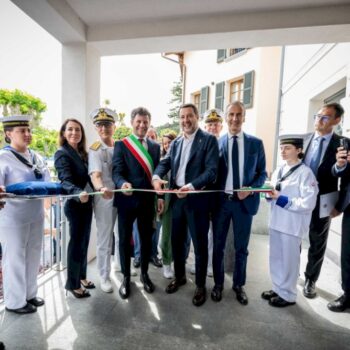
(292, 203)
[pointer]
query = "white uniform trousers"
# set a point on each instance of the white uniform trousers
(210, 245)
(21, 250)
(106, 216)
(284, 264)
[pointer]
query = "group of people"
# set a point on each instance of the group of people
(214, 181)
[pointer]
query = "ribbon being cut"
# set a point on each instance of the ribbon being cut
(41, 189)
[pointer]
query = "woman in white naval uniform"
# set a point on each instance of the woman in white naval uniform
(100, 171)
(21, 222)
(292, 203)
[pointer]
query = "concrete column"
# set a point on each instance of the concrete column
(80, 95)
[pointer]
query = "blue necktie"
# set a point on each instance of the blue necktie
(316, 157)
(235, 163)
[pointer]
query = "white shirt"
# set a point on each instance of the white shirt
(240, 143)
(101, 161)
(19, 212)
(185, 154)
(314, 147)
(144, 141)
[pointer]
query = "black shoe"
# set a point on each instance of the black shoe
(268, 294)
(36, 301)
(174, 285)
(216, 293)
(137, 262)
(156, 261)
(200, 296)
(84, 293)
(124, 290)
(27, 309)
(147, 283)
(279, 302)
(340, 304)
(241, 295)
(309, 289)
(88, 285)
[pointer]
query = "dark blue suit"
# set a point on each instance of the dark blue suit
(239, 211)
(140, 206)
(73, 173)
(192, 211)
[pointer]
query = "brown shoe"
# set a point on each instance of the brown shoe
(174, 285)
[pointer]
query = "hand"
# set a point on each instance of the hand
(158, 185)
(243, 194)
(184, 188)
(334, 213)
(84, 197)
(342, 157)
(274, 194)
(106, 193)
(160, 208)
(127, 185)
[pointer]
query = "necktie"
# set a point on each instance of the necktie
(141, 141)
(235, 163)
(316, 157)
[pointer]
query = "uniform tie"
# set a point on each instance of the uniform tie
(235, 163)
(316, 157)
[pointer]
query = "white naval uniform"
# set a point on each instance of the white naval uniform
(100, 160)
(288, 225)
(21, 232)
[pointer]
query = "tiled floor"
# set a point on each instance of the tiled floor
(161, 321)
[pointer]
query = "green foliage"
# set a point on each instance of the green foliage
(121, 132)
(44, 141)
(175, 101)
(165, 128)
(167, 131)
(20, 102)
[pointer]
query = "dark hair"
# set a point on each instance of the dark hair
(189, 105)
(140, 111)
(301, 155)
(339, 110)
(7, 128)
(171, 137)
(81, 145)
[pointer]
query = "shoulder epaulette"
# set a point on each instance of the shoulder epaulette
(96, 145)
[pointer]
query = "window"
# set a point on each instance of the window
(242, 89)
(222, 54)
(196, 98)
(236, 90)
(219, 95)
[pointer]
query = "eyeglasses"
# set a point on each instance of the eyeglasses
(104, 124)
(322, 118)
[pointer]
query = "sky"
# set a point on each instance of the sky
(30, 60)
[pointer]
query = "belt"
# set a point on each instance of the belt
(231, 197)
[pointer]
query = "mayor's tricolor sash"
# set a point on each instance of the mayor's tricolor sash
(141, 154)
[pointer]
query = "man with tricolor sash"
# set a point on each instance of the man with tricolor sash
(134, 160)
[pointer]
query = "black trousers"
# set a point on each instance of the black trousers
(318, 235)
(345, 252)
(79, 216)
(144, 212)
(184, 217)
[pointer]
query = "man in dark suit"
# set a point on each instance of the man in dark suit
(320, 156)
(192, 161)
(134, 160)
(342, 168)
(241, 164)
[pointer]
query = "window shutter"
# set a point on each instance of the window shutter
(204, 100)
(248, 89)
(221, 55)
(219, 95)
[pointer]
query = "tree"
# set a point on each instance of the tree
(44, 141)
(175, 101)
(121, 132)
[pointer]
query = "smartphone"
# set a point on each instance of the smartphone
(344, 143)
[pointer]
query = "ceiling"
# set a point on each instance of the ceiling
(141, 26)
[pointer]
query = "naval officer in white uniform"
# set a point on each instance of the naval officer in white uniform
(21, 222)
(100, 170)
(292, 203)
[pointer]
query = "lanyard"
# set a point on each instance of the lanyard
(282, 178)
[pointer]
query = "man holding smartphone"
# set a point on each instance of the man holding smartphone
(342, 169)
